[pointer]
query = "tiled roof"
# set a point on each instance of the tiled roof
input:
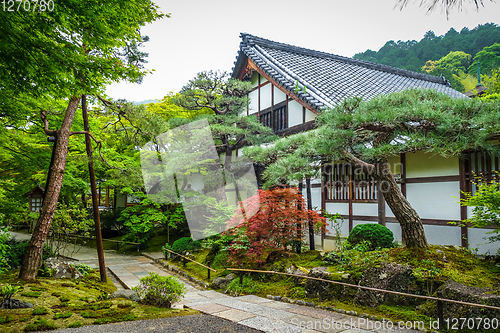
(330, 78)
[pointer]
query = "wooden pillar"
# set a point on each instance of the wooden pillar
(381, 205)
(107, 196)
(464, 186)
(402, 160)
(350, 180)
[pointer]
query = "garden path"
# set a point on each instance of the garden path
(251, 311)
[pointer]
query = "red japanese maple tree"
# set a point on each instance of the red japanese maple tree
(279, 222)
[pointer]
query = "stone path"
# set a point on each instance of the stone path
(251, 311)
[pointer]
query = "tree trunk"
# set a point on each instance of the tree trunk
(33, 255)
(411, 224)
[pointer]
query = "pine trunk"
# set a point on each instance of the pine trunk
(33, 255)
(411, 224)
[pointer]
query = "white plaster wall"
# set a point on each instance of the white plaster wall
(309, 115)
(265, 96)
(420, 164)
(442, 235)
(294, 113)
(315, 195)
(396, 230)
(337, 207)
(477, 240)
(365, 209)
(279, 96)
(435, 200)
(254, 102)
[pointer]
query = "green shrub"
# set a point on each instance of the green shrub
(6, 319)
(161, 291)
(185, 244)
(18, 249)
(84, 269)
(221, 260)
(377, 235)
(7, 291)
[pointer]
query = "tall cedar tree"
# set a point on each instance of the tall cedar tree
(367, 133)
(75, 49)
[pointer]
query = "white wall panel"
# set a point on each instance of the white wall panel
(396, 230)
(254, 102)
(442, 235)
(294, 114)
(365, 209)
(265, 97)
(477, 240)
(420, 164)
(279, 96)
(255, 79)
(435, 200)
(309, 115)
(337, 207)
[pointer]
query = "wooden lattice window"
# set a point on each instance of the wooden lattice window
(275, 117)
(343, 179)
(483, 165)
(36, 204)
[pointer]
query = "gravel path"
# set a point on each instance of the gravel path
(186, 324)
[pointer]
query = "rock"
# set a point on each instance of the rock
(351, 313)
(439, 251)
(61, 268)
(457, 291)
(126, 293)
(310, 304)
(230, 277)
(327, 290)
(219, 283)
(270, 297)
(277, 298)
(15, 304)
(391, 276)
(340, 311)
(299, 302)
(301, 272)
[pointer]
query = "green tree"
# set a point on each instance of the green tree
(366, 134)
(76, 49)
(489, 59)
(447, 5)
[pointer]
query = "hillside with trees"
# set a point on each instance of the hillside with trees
(453, 55)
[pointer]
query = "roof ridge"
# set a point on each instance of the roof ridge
(255, 40)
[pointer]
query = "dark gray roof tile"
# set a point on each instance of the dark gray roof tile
(329, 78)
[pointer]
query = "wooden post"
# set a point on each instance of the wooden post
(95, 205)
(208, 271)
(462, 170)
(439, 294)
(299, 226)
(350, 180)
(312, 246)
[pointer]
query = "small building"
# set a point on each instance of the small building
(292, 85)
(35, 198)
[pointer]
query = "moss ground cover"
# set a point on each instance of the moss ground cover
(436, 264)
(72, 303)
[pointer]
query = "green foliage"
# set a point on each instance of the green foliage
(7, 291)
(489, 59)
(376, 236)
(18, 249)
(82, 268)
(6, 319)
(184, 244)
(413, 55)
(221, 260)
(4, 250)
(40, 311)
(161, 291)
(141, 219)
(249, 286)
(486, 206)
(34, 294)
(76, 324)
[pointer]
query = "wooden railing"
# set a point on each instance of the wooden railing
(438, 299)
(200, 264)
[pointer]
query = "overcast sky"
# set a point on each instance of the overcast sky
(204, 35)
